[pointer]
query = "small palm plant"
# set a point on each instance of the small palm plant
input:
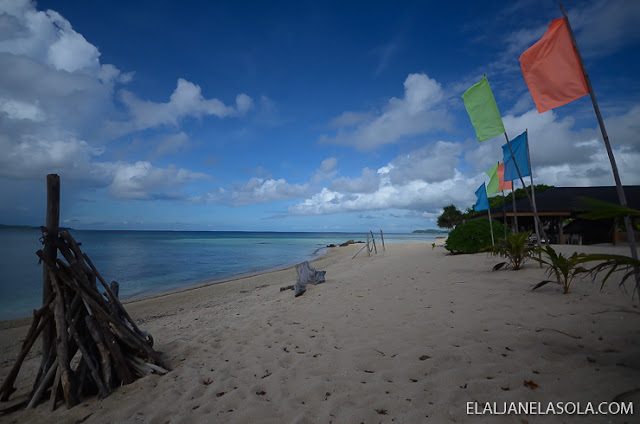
(564, 268)
(516, 249)
(613, 263)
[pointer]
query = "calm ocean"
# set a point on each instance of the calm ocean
(148, 262)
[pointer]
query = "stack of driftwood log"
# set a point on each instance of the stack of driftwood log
(95, 345)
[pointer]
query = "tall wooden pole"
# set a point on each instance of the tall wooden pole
(504, 215)
(524, 187)
(513, 202)
(533, 190)
(605, 137)
(533, 196)
(50, 252)
(493, 243)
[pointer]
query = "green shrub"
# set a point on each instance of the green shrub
(473, 236)
(516, 249)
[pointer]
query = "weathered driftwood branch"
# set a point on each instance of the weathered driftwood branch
(107, 347)
(146, 368)
(359, 251)
(103, 391)
(374, 242)
(62, 344)
(98, 339)
(44, 384)
(307, 274)
(40, 320)
(50, 233)
(113, 299)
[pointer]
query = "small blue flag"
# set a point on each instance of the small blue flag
(483, 201)
(519, 147)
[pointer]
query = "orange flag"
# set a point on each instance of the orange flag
(503, 185)
(552, 70)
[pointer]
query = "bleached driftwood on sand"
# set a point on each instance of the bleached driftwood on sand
(306, 274)
(97, 345)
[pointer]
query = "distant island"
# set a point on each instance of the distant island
(19, 227)
(430, 231)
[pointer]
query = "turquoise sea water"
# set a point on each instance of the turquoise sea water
(148, 262)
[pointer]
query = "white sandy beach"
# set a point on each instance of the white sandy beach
(408, 336)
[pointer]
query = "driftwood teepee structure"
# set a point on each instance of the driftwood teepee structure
(90, 343)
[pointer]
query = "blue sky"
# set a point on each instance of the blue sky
(291, 116)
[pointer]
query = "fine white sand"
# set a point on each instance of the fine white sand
(407, 336)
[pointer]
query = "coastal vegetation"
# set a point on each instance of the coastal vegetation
(473, 236)
(564, 268)
(429, 231)
(516, 249)
(612, 263)
(450, 217)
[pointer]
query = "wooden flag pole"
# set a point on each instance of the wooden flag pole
(605, 137)
(524, 187)
(504, 214)
(491, 226)
(533, 195)
(513, 202)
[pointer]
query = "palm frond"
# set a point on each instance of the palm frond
(599, 209)
(542, 283)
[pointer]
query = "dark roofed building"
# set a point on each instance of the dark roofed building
(561, 204)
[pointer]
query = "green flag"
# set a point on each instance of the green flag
(483, 111)
(494, 182)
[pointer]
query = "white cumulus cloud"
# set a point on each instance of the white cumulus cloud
(58, 103)
(413, 195)
(367, 182)
(326, 171)
(141, 180)
(431, 163)
(256, 190)
(186, 100)
(418, 112)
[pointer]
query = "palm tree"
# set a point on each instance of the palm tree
(450, 217)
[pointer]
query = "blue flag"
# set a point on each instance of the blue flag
(483, 201)
(519, 147)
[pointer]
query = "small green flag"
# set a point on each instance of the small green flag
(494, 182)
(483, 111)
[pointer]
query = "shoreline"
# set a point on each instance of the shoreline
(184, 260)
(413, 332)
(18, 322)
